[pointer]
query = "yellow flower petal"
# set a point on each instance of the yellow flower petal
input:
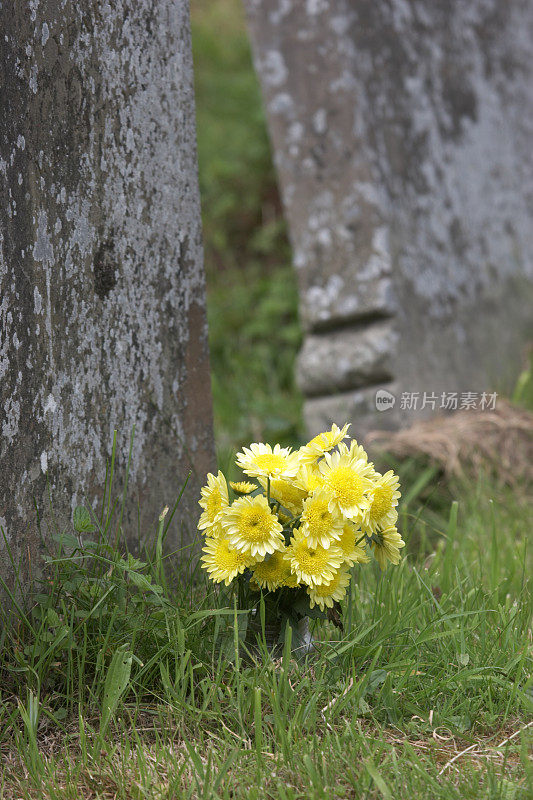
(352, 551)
(243, 487)
(222, 562)
(260, 460)
(386, 546)
(322, 443)
(273, 572)
(326, 594)
(312, 565)
(286, 492)
(214, 499)
(382, 512)
(251, 527)
(349, 483)
(319, 523)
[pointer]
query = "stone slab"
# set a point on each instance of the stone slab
(102, 301)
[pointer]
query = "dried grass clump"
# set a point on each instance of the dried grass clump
(498, 442)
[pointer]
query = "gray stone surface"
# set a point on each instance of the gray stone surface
(359, 405)
(102, 300)
(402, 135)
(347, 359)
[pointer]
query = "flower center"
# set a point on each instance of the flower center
(256, 523)
(382, 501)
(228, 558)
(270, 462)
(270, 568)
(347, 485)
(311, 560)
(318, 517)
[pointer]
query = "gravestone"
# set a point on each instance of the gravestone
(402, 135)
(102, 303)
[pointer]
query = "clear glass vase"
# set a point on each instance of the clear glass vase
(302, 640)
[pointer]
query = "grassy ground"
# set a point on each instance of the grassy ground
(115, 685)
(120, 681)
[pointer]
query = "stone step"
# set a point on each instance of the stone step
(347, 359)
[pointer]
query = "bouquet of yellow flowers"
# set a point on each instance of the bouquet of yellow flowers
(306, 519)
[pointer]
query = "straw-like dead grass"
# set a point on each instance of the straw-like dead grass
(498, 442)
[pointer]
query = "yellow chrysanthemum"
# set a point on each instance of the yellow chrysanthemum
(292, 580)
(322, 443)
(260, 460)
(349, 483)
(222, 561)
(355, 451)
(382, 510)
(312, 565)
(285, 492)
(327, 593)
(273, 572)
(214, 500)
(242, 487)
(386, 545)
(353, 551)
(320, 524)
(309, 478)
(251, 527)
(215, 531)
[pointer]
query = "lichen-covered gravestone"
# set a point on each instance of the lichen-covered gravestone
(402, 133)
(102, 304)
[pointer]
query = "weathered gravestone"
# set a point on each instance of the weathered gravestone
(402, 132)
(102, 303)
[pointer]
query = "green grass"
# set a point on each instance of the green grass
(117, 684)
(252, 300)
(254, 337)
(242, 218)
